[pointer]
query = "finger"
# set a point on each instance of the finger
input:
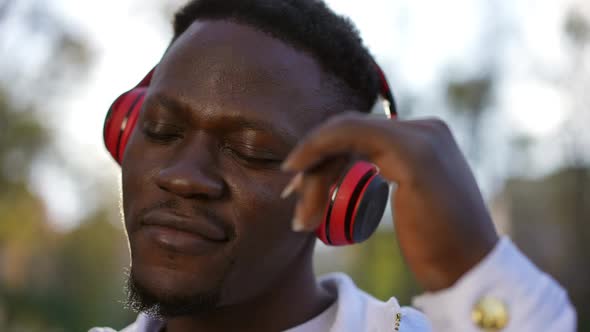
(309, 210)
(314, 193)
(340, 135)
(293, 185)
(375, 139)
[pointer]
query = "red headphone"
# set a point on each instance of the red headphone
(357, 200)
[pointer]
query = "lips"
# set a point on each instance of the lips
(181, 228)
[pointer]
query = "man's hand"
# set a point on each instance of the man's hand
(442, 224)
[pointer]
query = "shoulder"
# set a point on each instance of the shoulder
(357, 310)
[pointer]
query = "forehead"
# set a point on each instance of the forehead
(230, 67)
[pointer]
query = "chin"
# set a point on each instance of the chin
(164, 283)
(147, 295)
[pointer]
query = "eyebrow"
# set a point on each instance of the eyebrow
(233, 122)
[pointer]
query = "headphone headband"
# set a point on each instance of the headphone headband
(145, 82)
(386, 94)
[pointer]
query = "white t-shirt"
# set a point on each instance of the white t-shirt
(535, 302)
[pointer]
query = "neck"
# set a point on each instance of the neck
(294, 299)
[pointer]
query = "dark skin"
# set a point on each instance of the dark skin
(227, 105)
(211, 137)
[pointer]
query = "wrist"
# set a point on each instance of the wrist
(443, 271)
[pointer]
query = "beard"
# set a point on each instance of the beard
(162, 306)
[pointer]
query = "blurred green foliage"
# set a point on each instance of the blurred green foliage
(51, 281)
(375, 265)
(379, 268)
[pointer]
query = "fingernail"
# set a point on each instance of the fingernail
(286, 165)
(292, 185)
(300, 226)
(297, 225)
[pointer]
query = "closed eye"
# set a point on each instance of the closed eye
(251, 159)
(161, 133)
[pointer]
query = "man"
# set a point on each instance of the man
(253, 93)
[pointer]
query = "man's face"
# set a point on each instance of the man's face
(225, 106)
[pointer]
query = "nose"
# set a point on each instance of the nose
(190, 175)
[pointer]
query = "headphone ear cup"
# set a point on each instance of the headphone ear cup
(356, 206)
(120, 121)
(122, 116)
(369, 209)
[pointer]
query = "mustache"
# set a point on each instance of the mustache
(195, 211)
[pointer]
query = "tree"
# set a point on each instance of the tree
(48, 280)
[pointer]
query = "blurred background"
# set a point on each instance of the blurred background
(511, 77)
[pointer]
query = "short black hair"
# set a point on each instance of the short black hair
(308, 25)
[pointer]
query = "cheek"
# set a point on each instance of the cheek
(136, 171)
(266, 247)
(259, 210)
